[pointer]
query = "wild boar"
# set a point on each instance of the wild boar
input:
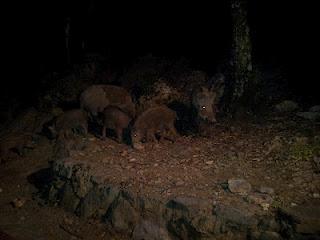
(69, 122)
(97, 97)
(205, 98)
(154, 121)
(14, 144)
(195, 99)
(116, 119)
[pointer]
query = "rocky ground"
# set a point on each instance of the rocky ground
(248, 171)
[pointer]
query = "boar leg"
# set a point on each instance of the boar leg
(161, 136)
(104, 129)
(119, 135)
(85, 129)
(173, 132)
(150, 136)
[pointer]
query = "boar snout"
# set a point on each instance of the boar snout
(207, 115)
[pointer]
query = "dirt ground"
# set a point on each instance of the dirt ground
(276, 152)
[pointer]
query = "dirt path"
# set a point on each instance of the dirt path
(276, 154)
(35, 219)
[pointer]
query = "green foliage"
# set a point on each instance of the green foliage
(295, 149)
(302, 150)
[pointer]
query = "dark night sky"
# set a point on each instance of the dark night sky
(200, 31)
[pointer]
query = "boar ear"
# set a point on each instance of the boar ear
(203, 89)
(52, 130)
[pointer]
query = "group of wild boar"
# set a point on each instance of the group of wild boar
(150, 117)
(113, 108)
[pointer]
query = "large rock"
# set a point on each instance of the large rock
(237, 218)
(240, 186)
(98, 200)
(312, 116)
(190, 217)
(151, 230)
(70, 200)
(123, 214)
(287, 106)
(305, 218)
(315, 108)
(140, 217)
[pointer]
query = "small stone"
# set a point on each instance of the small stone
(240, 186)
(138, 147)
(132, 160)
(259, 198)
(265, 206)
(156, 164)
(22, 218)
(67, 221)
(1, 190)
(179, 183)
(294, 204)
(316, 195)
(315, 108)
(266, 190)
(18, 202)
(124, 153)
(209, 162)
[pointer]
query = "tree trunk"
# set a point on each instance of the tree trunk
(241, 47)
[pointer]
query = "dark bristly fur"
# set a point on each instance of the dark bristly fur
(116, 119)
(154, 121)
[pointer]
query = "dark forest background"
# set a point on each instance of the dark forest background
(283, 36)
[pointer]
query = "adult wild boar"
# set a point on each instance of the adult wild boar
(116, 119)
(155, 121)
(197, 100)
(97, 97)
(205, 98)
(69, 122)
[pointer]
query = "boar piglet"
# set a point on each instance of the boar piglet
(69, 122)
(14, 143)
(116, 119)
(155, 121)
(97, 97)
